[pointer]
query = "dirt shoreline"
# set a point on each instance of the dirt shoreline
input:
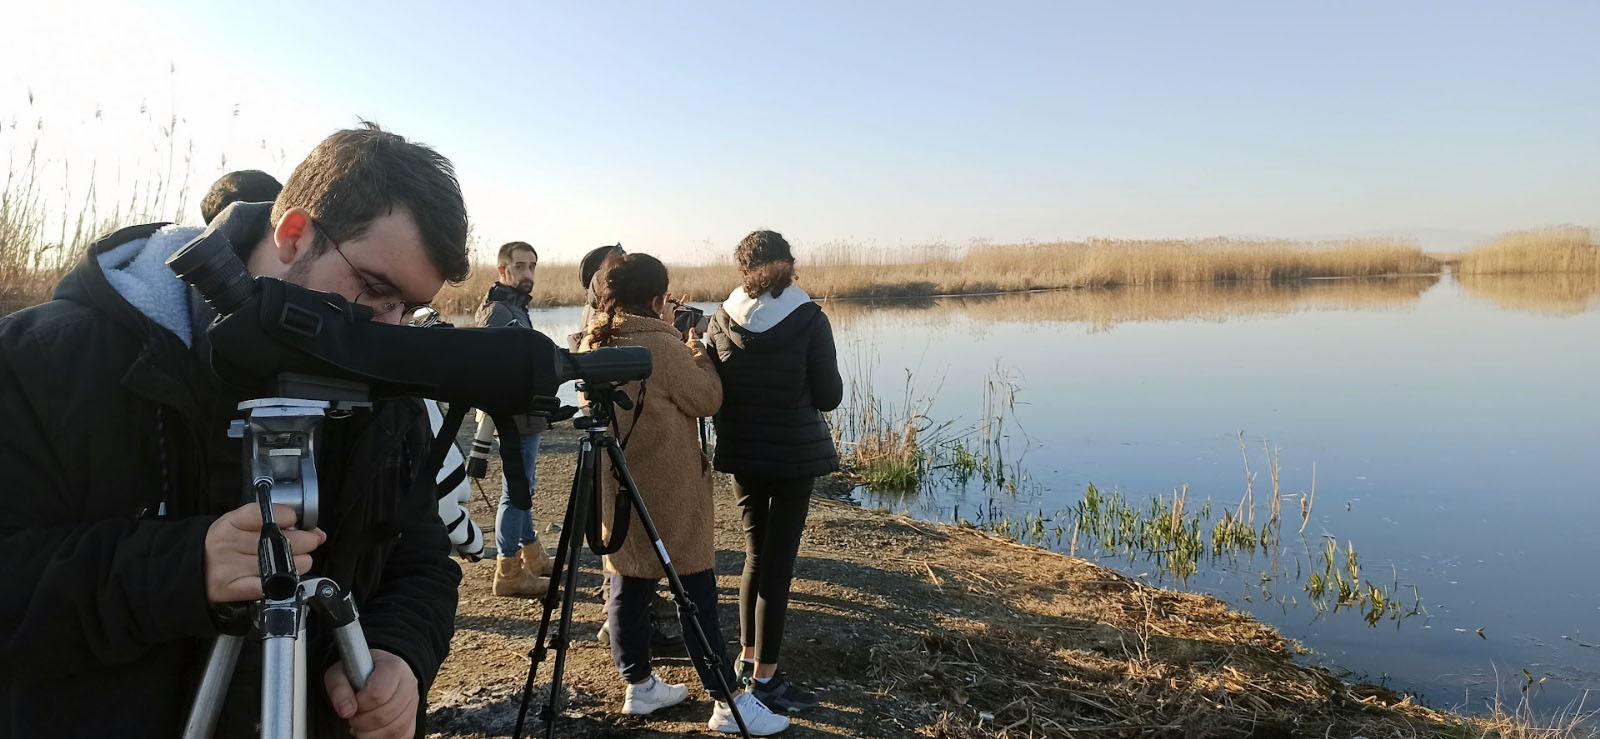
(907, 628)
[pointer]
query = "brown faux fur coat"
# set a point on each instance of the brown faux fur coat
(664, 452)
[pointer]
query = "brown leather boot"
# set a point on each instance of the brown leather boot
(535, 559)
(513, 580)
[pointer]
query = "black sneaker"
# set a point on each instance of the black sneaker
(746, 673)
(782, 696)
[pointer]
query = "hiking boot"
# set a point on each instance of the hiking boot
(652, 695)
(747, 673)
(513, 580)
(783, 696)
(760, 720)
(535, 559)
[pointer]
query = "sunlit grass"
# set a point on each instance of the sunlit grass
(839, 271)
(1549, 251)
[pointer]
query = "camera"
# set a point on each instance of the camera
(686, 317)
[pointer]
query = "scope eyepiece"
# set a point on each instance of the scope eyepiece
(211, 266)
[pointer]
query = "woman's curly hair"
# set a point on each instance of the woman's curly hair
(766, 262)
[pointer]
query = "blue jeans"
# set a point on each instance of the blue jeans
(513, 526)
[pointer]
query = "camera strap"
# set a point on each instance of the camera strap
(440, 447)
(638, 408)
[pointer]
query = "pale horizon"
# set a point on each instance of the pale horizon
(677, 130)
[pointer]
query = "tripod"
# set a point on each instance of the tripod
(280, 442)
(586, 487)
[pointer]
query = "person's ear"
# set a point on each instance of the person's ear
(659, 305)
(293, 236)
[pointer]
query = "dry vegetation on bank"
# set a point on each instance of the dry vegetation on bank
(843, 272)
(1560, 250)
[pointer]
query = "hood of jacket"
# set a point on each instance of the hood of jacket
(763, 323)
(125, 275)
(764, 312)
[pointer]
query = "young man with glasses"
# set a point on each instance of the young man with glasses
(120, 518)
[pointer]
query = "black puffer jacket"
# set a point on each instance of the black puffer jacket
(776, 384)
(104, 624)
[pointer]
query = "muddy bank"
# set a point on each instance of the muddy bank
(905, 628)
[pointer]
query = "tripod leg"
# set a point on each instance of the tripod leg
(300, 662)
(277, 687)
(338, 606)
(563, 577)
(680, 595)
(280, 624)
(213, 687)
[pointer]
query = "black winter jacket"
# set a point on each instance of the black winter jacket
(104, 625)
(776, 384)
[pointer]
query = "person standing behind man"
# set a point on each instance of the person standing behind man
(588, 267)
(243, 186)
(521, 566)
(774, 350)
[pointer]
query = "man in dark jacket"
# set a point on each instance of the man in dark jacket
(120, 519)
(521, 565)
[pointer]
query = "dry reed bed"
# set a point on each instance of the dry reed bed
(1558, 250)
(842, 272)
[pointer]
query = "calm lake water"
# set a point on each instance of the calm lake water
(1455, 430)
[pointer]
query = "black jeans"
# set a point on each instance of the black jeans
(628, 614)
(774, 515)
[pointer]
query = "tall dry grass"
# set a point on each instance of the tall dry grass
(52, 208)
(557, 285)
(845, 272)
(1556, 250)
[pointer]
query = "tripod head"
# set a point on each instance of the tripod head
(601, 398)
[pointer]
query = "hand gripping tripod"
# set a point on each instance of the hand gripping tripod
(586, 486)
(280, 441)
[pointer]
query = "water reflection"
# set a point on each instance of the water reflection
(1453, 435)
(1553, 294)
(1104, 309)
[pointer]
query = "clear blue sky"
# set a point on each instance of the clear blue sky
(678, 127)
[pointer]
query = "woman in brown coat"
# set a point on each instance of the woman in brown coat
(674, 478)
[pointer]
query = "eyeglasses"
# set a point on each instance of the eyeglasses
(382, 297)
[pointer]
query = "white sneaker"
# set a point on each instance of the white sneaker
(652, 696)
(757, 717)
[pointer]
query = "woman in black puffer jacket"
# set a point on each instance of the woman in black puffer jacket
(774, 350)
